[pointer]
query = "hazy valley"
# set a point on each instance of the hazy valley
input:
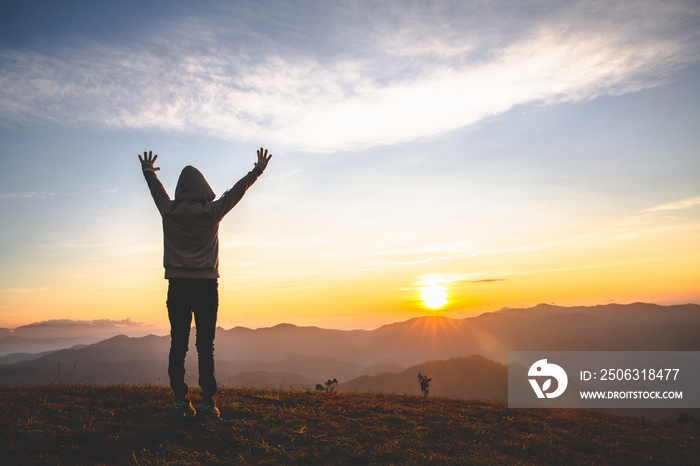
(373, 360)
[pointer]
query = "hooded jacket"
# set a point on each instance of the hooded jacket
(191, 221)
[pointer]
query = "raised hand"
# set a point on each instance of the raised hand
(263, 158)
(147, 161)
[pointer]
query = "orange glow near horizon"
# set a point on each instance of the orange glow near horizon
(274, 289)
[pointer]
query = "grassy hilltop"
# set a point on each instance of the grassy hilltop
(78, 424)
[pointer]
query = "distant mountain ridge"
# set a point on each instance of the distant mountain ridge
(289, 355)
(639, 313)
(463, 377)
(64, 333)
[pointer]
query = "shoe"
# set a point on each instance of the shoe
(182, 409)
(208, 411)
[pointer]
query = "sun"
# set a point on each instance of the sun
(434, 296)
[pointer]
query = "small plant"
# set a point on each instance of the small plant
(424, 384)
(328, 386)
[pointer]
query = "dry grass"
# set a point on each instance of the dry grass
(77, 424)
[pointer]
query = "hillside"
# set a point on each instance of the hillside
(81, 424)
(292, 356)
(465, 378)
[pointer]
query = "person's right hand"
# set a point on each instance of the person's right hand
(263, 158)
(147, 161)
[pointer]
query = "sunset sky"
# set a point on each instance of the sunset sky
(502, 153)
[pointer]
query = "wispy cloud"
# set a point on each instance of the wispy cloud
(660, 216)
(486, 280)
(97, 322)
(393, 91)
(26, 195)
(455, 279)
(678, 205)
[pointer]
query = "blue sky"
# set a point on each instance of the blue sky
(453, 141)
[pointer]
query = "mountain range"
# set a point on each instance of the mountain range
(63, 333)
(465, 357)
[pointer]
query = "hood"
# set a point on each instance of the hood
(193, 187)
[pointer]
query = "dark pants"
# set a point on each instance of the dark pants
(187, 296)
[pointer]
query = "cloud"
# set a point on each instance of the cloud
(678, 205)
(27, 195)
(73, 328)
(75, 323)
(487, 280)
(411, 73)
(453, 279)
(97, 322)
(661, 216)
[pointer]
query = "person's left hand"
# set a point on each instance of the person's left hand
(147, 161)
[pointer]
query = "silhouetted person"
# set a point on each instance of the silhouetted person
(191, 261)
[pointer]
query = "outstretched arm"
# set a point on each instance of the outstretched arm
(231, 197)
(160, 197)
